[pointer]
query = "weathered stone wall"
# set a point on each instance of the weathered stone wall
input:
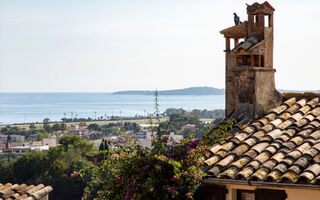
(231, 98)
(268, 37)
(251, 91)
(266, 96)
(240, 90)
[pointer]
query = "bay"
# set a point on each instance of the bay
(34, 107)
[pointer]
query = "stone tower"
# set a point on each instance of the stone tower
(250, 86)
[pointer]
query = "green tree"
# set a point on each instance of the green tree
(4, 130)
(69, 139)
(47, 127)
(101, 146)
(56, 127)
(63, 126)
(32, 126)
(42, 135)
(94, 127)
(46, 120)
(163, 172)
(55, 167)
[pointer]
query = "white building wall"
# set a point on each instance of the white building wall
(292, 193)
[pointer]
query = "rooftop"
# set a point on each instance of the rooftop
(23, 191)
(282, 147)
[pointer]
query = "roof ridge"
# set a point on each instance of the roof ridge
(308, 95)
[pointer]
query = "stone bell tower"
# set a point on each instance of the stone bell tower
(250, 86)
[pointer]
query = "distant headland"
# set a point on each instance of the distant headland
(185, 91)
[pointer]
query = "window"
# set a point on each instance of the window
(261, 194)
(266, 21)
(256, 20)
(266, 194)
(211, 192)
(239, 60)
(245, 195)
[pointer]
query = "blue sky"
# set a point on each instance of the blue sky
(105, 46)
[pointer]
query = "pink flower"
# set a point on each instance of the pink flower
(72, 175)
(85, 194)
(146, 167)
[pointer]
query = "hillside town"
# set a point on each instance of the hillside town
(265, 145)
(17, 140)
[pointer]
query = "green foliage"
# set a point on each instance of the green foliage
(82, 147)
(104, 146)
(134, 172)
(176, 121)
(59, 127)
(46, 121)
(47, 127)
(212, 114)
(54, 167)
(69, 139)
(129, 126)
(94, 127)
(42, 135)
(32, 126)
(218, 133)
(4, 130)
(217, 121)
(157, 112)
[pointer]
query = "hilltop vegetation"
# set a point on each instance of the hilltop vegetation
(211, 114)
(185, 91)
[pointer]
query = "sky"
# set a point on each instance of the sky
(112, 45)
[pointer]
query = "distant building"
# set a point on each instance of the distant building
(26, 148)
(173, 138)
(51, 142)
(188, 126)
(14, 138)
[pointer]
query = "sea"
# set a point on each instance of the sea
(34, 107)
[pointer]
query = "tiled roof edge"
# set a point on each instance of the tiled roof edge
(308, 95)
(208, 179)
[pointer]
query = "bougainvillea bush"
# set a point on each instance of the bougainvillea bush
(166, 171)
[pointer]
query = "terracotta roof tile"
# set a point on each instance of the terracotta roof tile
(283, 146)
(23, 192)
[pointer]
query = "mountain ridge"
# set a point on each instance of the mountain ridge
(185, 91)
(205, 90)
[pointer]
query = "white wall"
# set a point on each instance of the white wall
(293, 194)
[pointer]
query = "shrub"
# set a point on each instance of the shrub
(134, 172)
